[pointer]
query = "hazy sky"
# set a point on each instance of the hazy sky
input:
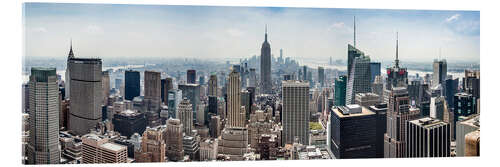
(205, 32)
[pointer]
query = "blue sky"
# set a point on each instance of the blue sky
(207, 32)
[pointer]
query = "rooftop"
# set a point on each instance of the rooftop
(428, 122)
(363, 111)
(113, 146)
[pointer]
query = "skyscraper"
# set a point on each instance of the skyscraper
(295, 111)
(105, 87)
(68, 77)
(304, 71)
(353, 130)
(471, 83)
(173, 140)
(359, 79)
(86, 97)
(321, 76)
(465, 126)
(212, 85)
(152, 145)
(428, 137)
(152, 90)
(185, 115)
(340, 90)
(191, 76)
(192, 93)
(440, 72)
(265, 67)
(375, 70)
(396, 76)
(166, 85)
(129, 122)
(132, 84)
(398, 113)
(235, 117)
(43, 144)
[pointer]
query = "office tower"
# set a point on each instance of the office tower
(212, 85)
(164, 114)
(99, 149)
(381, 111)
(295, 111)
(191, 146)
(191, 76)
(396, 76)
(208, 149)
(192, 93)
(472, 143)
(105, 87)
(375, 70)
(340, 90)
(235, 135)
(464, 105)
(215, 126)
(438, 108)
(132, 84)
(43, 144)
(265, 67)
(398, 113)
(152, 90)
(440, 72)
(185, 115)
(428, 137)
(235, 117)
(64, 113)
(252, 78)
(378, 87)
(246, 101)
(67, 78)
(166, 86)
(367, 99)
(471, 83)
(173, 140)
(415, 92)
(152, 145)
(450, 88)
(129, 122)
(164, 91)
(465, 126)
(86, 96)
(153, 118)
(321, 76)
(352, 53)
(202, 114)
(201, 80)
(174, 99)
(304, 71)
(359, 81)
(353, 130)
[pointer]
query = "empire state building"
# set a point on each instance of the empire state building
(265, 67)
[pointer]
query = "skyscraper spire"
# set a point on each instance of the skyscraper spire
(354, 31)
(397, 56)
(266, 33)
(71, 55)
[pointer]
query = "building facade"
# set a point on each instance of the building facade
(295, 111)
(43, 126)
(428, 137)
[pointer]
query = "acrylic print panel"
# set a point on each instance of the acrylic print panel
(121, 83)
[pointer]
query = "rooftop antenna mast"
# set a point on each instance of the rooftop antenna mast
(397, 56)
(354, 31)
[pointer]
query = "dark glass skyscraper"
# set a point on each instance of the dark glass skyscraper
(375, 70)
(191, 76)
(340, 90)
(132, 84)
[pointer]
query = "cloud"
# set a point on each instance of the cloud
(452, 18)
(235, 32)
(39, 30)
(93, 29)
(340, 27)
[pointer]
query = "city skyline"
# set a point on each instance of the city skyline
(165, 31)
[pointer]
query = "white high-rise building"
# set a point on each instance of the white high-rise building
(43, 144)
